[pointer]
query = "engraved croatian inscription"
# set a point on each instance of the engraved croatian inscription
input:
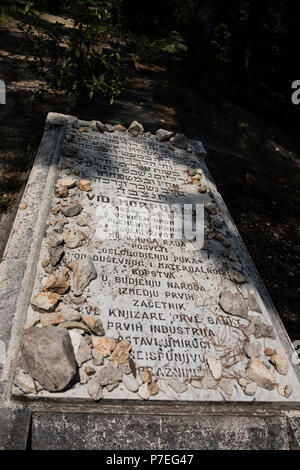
(181, 312)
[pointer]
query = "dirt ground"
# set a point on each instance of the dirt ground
(253, 161)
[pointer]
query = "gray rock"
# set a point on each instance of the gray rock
(208, 382)
(226, 385)
(111, 387)
(130, 383)
(95, 389)
(180, 141)
(260, 329)
(109, 127)
(177, 386)
(109, 374)
(24, 382)
(55, 255)
(45, 302)
(253, 349)
(237, 276)
(211, 208)
(97, 357)
(125, 368)
(280, 363)
(250, 389)
(81, 220)
(232, 304)
(253, 304)
(100, 126)
(49, 357)
(72, 209)
(215, 367)
(83, 352)
(73, 240)
(222, 239)
(258, 373)
(216, 221)
(136, 128)
(84, 272)
(197, 383)
(288, 390)
(70, 313)
(162, 135)
(54, 239)
(144, 391)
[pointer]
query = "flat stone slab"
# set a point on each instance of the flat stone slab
(60, 432)
(193, 313)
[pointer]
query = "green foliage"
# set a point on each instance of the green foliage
(67, 56)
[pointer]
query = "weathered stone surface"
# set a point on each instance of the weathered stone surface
(85, 185)
(258, 372)
(180, 141)
(24, 382)
(109, 374)
(253, 304)
(53, 318)
(233, 304)
(208, 382)
(217, 221)
(67, 182)
(259, 329)
(196, 383)
(226, 385)
(54, 239)
(133, 303)
(211, 208)
(94, 323)
(45, 302)
(280, 363)
(84, 272)
(73, 240)
(58, 283)
(130, 383)
(56, 255)
(97, 357)
(162, 135)
(72, 209)
(288, 390)
(177, 386)
(125, 368)
(250, 389)
(136, 128)
(144, 392)
(89, 370)
(153, 388)
(61, 192)
(49, 357)
(222, 239)
(146, 376)
(253, 349)
(95, 389)
(237, 276)
(104, 345)
(121, 352)
(69, 313)
(215, 367)
(81, 347)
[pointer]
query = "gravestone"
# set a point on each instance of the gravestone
(136, 272)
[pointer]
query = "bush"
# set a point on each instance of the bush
(68, 57)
